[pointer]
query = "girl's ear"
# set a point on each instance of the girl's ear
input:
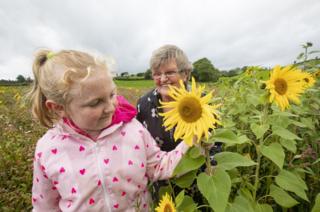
(56, 108)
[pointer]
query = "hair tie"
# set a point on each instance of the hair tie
(50, 55)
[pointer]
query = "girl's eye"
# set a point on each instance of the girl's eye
(95, 103)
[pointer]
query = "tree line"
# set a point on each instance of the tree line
(20, 80)
(204, 71)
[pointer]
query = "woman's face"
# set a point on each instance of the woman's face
(165, 75)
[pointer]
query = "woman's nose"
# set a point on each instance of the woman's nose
(163, 77)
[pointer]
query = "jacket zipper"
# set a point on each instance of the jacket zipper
(101, 177)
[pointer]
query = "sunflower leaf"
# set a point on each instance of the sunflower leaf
(284, 133)
(194, 152)
(187, 163)
(275, 153)
(213, 190)
(317, 161)
(281, 197)
(186, 180)
(240, 204)
(263, 208)
(228, 137)
(290, 145)
(291, 182)
(308, 122)
(316, 206)
(179, 198)
(230, 160)
(187, 205)
(259, 130)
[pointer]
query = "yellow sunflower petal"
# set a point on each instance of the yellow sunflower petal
(166, 204)
(190, 113)
(286, 84)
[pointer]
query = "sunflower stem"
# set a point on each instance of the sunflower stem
(259, 155)
(256, 181)
(208, 160)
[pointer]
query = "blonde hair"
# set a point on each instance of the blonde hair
(167, 53)
(54, 74)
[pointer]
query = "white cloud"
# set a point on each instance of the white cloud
(230, 33)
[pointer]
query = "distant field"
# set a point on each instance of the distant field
(134, 83)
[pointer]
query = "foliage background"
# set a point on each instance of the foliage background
(19, 134)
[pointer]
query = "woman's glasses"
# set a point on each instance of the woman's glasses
(168, 74)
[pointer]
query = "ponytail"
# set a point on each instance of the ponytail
(54, 74)
(36, 95)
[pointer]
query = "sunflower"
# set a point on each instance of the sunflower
(285, 84)
(190, 113)
(308, 80)
(166, 204)
(249, 71)
(316, 74)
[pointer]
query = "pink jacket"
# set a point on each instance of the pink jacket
(74, 173)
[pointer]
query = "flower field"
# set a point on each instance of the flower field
(271, 146)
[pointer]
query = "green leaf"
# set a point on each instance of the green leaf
(284, 133)
(259, 130)
(263, 208)
(246, 193)
(308, 122)
(281, 197)
(316, 207)
(188, 163)
(300, 56)
(297, 123)
(228, 123)
(253, 99)
(230, 160)
(165, 189)
(241, 204)
(290, 145)
(179, 198)
(275, 153)
(194, 152)
(215, 189)
(283, 113)
(187, 205)
(292, 182)
(228, 137)
(317, 161)
(280, 121)
(186, 180)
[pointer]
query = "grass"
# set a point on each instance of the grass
(134, 84)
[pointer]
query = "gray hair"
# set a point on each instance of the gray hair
(167, 53)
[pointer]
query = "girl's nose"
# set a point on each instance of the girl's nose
(109, 107)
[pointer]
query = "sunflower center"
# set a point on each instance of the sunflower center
(306, 80)
(167, 208)
(190, 109)
(281, 86)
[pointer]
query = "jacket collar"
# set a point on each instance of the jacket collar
(124, 113)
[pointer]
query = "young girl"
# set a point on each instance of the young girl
(96, 156)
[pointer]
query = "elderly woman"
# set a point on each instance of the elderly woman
(168, 64)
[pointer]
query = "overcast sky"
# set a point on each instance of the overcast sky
(230, 33)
